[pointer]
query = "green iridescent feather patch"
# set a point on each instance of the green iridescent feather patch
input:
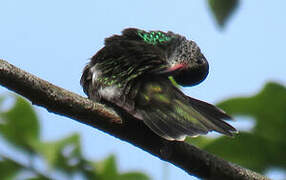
(153, 37)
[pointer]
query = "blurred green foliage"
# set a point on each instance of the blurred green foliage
(19, 127)
(222, 10)
(264, 145)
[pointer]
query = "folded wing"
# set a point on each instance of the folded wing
(173, 115)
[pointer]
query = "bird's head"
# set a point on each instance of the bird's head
(187, 64)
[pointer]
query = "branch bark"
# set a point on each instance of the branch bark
(120, 124)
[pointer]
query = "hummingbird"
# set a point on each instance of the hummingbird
(136, 71)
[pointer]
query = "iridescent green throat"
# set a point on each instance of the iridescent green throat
(153, 37)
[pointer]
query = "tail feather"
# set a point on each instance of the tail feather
(209, 108)
(214, 115)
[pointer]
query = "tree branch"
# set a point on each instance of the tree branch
(120, 124)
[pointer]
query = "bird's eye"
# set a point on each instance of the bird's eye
(199, 61)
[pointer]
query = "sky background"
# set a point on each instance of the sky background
(55, 39)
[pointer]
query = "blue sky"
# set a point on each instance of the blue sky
(54, 39)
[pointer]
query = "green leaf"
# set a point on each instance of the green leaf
(133, 176)
(268, 108)
(245, 149)
(64, 154)
(107, 169)
(39, 178)
(9, 169)
(222, 9)
(19, 125)
(265, 145)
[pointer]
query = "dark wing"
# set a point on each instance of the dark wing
(126, 57)
(121, 64)
(172, 115)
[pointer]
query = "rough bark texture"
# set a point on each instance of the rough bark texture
(118, 123)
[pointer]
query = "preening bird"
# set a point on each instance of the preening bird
(134, 71)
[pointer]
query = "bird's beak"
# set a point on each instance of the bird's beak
(176, 67)
(173, 69)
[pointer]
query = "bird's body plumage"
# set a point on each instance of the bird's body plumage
(132, 71)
